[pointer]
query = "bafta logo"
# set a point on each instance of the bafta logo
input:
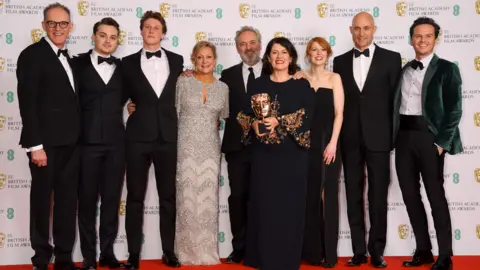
(243, 9)
(279, 34)
(1, 6)
(401, 8)
(477, 62)
(476, 119)
(477, 6)
(122, 208)
(3, 180)
(200, 36)
(3, 122)
(36, 35)
(122, 36)
(2, 63)
(164, 9)
(477, 174)
(2, 239)
(322, 9)
(403, 231)
(262, 108)
(478, 231)
(82, 7)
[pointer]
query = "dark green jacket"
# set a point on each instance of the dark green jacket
(441, 103)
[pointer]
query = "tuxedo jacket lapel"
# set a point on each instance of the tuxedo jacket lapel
(431, 69)
(58, 64)
(374, 66)
(350, 74)
(142, 78)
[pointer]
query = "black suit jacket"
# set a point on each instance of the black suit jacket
(232, 136)
(368, 113)
(154, 117)
(48, 104)
(101, 104)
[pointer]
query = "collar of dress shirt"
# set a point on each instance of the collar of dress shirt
(426, 60)
(54, 47)
(257, 68)
(144, 52)
(371, 48)
(95, 56)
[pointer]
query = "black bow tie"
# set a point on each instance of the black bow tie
(64, 52)
(415, 64)
(157, 54)
(366, 52)
(108, 60)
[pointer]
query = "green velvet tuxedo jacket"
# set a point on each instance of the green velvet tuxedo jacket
(441, 103)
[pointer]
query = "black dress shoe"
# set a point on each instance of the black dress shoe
(40, 267)
(65, 266)
(378, 262)
(133, 262)
(328, 265)
(235, 257)
(110, 262)
(170, 260)
(442, 263)
(419, 258)
(357, 260)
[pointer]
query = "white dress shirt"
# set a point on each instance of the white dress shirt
(105, 70)
(361, 66)
(257, 71)
(156, 70)
(69, 72)
(412, 81)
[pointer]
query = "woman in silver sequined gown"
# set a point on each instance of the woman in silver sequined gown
(201, 102)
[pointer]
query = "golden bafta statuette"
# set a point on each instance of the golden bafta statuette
(261, 106)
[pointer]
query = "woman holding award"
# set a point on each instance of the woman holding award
(321, 223)
(277, 123)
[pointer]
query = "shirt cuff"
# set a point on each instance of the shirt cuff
(35, 148)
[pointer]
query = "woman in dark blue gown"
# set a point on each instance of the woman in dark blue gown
(279, 161)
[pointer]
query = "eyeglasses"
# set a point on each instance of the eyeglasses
(53, 24)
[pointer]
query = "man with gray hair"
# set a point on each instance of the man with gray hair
(239, 77)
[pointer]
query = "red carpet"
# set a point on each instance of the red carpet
(394, 263)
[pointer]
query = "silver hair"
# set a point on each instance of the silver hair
(247, 29)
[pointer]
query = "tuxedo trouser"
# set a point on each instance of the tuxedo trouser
(378, 169)
(238, 168)
(102, 173)
(417, 155)
(139, 157)
(60, 176)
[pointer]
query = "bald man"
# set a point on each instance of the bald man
(369, 75)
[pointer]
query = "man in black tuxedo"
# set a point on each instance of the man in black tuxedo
(150, 77)
(369, 75)
(427, 111)
(48, 103)
(102, 140)
(238, 78)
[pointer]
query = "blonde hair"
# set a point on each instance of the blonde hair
(203, 44)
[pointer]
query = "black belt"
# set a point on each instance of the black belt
(413, 122)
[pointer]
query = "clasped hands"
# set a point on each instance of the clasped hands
(270, 124)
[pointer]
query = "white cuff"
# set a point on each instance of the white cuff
(35, 148)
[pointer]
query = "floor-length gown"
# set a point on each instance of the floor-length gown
(276, 210)
(198, 169)
(322, 220)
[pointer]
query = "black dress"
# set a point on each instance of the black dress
(321, 224)
(276, 211)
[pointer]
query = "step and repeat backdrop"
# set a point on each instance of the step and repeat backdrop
(217, 20)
